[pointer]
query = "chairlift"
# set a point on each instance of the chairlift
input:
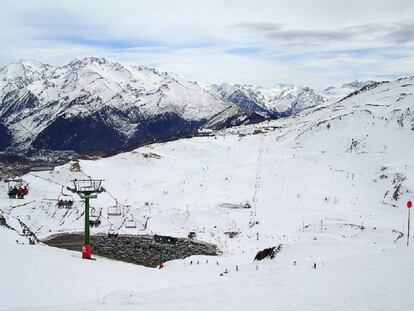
(94, 217)
(130, 222)
(65, 200)
(94, 213)
(17, 188)
(115, 210)
(112, 232)
(87, 185)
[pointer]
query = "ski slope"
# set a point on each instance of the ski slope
(329, 184)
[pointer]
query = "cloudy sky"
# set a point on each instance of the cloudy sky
(316, 43)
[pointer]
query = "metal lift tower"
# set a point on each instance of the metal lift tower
(87, 189)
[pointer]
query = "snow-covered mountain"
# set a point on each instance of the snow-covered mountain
(93, 104)
(280, 100)
(330, 183)
(373, 126)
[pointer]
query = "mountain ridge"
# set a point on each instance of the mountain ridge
(279, 100)
(94, 105)
(132, 104)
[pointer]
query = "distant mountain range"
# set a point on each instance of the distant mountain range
(281, 100)
(92, 104)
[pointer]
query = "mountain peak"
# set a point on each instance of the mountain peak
(26, 64)
(87, 60)
(24, 70)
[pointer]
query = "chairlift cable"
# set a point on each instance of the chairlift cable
(85, 174)
(106, 190)
(116, 228)
(46, 179)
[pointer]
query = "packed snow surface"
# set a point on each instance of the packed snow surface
(329, 184)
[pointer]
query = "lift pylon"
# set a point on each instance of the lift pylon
(87, 189)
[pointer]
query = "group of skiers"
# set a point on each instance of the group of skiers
(94, 222)
(65, 203)
(112, 234)
(18, 192)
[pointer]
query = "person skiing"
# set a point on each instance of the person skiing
(12, 193)
(314, 265)
(20, 193)
(25, 191)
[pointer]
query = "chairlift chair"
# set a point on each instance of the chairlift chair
(112, 232)
(65, 200)
(17, 188)
(130, 222)
(94, 218)
(93, 213)
(114, 210)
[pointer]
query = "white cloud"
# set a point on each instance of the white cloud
(303, 42)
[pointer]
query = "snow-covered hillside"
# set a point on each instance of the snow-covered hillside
(45, 107)
(278, 100)
(333, 93)
(330, 184)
